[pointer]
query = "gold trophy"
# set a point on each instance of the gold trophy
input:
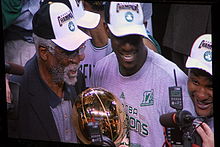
(98, 118)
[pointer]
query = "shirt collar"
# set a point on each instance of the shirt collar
(69, 94)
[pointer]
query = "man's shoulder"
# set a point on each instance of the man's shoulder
(107, 60)
(105, 67)
(159, 60)
(165, 66)
(30, 74)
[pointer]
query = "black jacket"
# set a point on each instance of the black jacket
(35, 119)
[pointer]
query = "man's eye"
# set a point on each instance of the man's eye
(72, 53)
(195, 82)
(209, 87)
(76, 52)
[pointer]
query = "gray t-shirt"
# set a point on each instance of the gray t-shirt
(92, 55)
(144, 94)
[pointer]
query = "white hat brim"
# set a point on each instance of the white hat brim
(89, 20)
(120, 31)
(193, 63)
(72, 41)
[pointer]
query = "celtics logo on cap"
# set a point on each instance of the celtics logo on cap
(71, 26)
(129, 16)
(208, 56)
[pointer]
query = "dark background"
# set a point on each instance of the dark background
(160, 14)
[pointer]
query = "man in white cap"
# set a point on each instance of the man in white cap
(83, 18)
(199, 64)
(90, 20)
(138, 76)
(51, 80)
(97, 47)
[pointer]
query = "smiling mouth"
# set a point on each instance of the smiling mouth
(128, 57)
(72, 73)
(203, 104)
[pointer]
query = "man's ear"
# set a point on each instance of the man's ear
(43, 53)
(107, 29)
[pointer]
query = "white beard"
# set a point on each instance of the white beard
(70, 74)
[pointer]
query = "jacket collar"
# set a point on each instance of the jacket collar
(38, 85)
(38, 95)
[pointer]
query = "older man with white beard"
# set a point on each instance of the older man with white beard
(51, 80)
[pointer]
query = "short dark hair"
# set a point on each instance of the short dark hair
(66, 2)
(106, 11)
(96, 5)
(200, 72)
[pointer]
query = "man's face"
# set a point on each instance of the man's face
(62, 73)
(201, 93)
(65, 65)
(130, 53)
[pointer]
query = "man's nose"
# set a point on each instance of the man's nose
(202, 93)
(127, 47)
(76, 59)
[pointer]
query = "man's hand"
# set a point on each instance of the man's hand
(8, 91)
(206, 134)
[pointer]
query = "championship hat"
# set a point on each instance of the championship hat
(201, 54)
(83, 18)
(125, 18)
(55, 21)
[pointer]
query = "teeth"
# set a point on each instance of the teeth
(72, 73)
(200, 103)
(203, 105)
(204, 102)
(72, 76)
(128, 57)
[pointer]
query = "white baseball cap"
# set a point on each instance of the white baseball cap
(55, 21)
(125, 18)
(201, 54)
(84, 18)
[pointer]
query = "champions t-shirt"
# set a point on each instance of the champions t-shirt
(144, 95)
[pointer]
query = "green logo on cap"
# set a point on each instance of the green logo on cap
(129, 16)
(71, 26)
(208, 56)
